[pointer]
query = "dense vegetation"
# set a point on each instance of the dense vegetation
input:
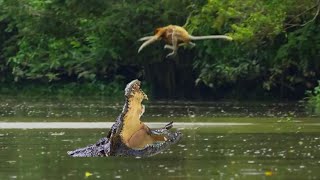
(92, 45)
(313, 99)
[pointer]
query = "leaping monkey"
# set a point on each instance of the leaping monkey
(175, 36)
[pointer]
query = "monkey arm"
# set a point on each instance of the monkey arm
(145, 38)
(167, 46)
(149, 40)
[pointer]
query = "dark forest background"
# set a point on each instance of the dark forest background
(81, 47)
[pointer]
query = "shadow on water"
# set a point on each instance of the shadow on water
(282, 142)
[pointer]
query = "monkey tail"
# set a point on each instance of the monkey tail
(211, 37)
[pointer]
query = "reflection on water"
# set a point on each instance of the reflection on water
(204, 154)
(44, 108)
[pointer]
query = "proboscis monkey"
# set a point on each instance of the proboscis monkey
(175, 36)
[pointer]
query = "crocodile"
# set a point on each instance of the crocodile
(129, 136)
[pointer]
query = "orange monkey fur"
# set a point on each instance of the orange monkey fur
(175, 36)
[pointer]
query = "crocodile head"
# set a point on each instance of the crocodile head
(129, 122)
(133, 90)
(129, 136)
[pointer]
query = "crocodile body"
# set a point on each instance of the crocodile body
(129, 136)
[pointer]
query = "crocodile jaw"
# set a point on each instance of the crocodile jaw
(133, 111)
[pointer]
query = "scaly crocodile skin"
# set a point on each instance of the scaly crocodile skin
(129, 136)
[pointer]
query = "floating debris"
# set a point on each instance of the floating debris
(171, 171)
(87, 174)
(268, 173)
(57, 133)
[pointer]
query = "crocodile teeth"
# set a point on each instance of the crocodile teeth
(165, 138)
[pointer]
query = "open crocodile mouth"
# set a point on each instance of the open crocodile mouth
(133, 88)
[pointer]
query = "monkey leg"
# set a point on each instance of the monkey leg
(174, 41)
(167, 46)
(186, 44)
(171, 54)
(192, 44)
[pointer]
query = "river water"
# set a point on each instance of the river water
(221, 140)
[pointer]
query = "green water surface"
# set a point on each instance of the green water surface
(282, 143)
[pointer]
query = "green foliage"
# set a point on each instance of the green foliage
(64, 90)
(88, 40)
(297, 59)
(276, 43)
(273, 40)
(313, 98)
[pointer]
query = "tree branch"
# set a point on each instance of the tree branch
(314, 17)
